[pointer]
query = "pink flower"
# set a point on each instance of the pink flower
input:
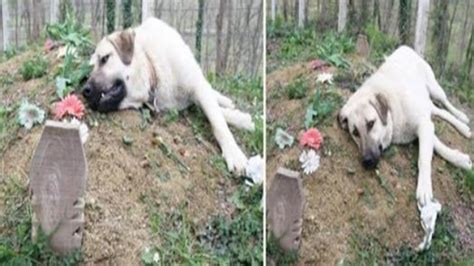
(318, 64)
(70, 105)
(311, 138)
(49, 45)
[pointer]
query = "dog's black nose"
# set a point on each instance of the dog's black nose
(369, 162)
(87, 91)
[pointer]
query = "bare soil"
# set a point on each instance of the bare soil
(122, 178)
(342, 198)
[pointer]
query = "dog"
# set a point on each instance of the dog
(395, 105)
(152, 64)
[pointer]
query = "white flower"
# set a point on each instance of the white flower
(282, 138)
(156, 257)
(325, 78)
(29, 114)
(309, 161)
(83, 130)
(254, 169)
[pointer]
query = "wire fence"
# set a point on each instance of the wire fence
(229, 32)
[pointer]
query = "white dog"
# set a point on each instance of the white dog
(395, 105)
(152, 63)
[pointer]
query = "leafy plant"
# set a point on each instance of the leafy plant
(71, 33)
(238, 240)
(72, 73)
(321, 107)
(380, 43)
(35, 67)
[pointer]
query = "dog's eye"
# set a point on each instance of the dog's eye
(355, 132)
(370, 125)
(103, 59)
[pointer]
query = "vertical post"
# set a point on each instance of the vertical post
(199, 24)
(54, 10)
(148, 9)
(5, 18)
(342, 16)
(273, 9)
(145, 9)
(110, 9)
(301, 13)
(127, 13)
(421, 26)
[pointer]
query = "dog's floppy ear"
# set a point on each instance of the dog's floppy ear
(124, 44)
(382, 108)
(342, 120)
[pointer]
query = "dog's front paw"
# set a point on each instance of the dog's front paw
(424, 195)
(464, 161)
(235, 159)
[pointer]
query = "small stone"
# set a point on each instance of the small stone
(360, 191)
(145, 163)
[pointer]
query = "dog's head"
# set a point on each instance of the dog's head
(369, 123)
(106, 87)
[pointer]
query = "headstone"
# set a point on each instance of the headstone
(57, 182)
(285, 204)
(362, 46)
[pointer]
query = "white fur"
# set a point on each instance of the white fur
(409, 85)
(180, 83)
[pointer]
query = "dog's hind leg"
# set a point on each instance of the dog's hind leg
(222, 100)
(459, 125)
(437, 93)
(238, 118)
(453, 156)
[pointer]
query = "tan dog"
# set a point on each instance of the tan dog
(152, 63)
(395, 105)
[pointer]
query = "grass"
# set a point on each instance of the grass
(8, 126)
(288, 44)
(16, 245)
(223, 240)
(33, 68)
(444, 250)
(277, 254)
(297, 88)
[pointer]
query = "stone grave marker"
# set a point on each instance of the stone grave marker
(285, 204)
(57, 182)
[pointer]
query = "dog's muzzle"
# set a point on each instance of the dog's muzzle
(104, 100)
(369, 162)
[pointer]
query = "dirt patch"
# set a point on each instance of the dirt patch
(342, 198)
(124, 178)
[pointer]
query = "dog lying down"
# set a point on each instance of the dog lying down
(395, 105)
(152, 64)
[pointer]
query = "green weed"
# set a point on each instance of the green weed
(322, 105)
(222, 241)
(381, 44)
(444, 248)
(297, 88)
(277, 254)
(35, 67)
(172, 116)
(8, 126)
(71, 33)
(238, 240)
